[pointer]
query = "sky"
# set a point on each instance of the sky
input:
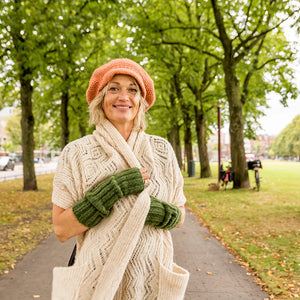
(277, 116)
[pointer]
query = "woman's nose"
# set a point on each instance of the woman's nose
(124, 95)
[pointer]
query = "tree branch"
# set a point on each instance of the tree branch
(226, 42)
(283, 58)
(256, 38)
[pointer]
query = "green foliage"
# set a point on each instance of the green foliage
(13, 128)
(64, 43)
(288, 141)
(8, 147)
(73, 53)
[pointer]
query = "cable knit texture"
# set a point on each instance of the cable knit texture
(98, 202)
(121, 257)
(86, 213)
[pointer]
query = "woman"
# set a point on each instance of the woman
(119, 191)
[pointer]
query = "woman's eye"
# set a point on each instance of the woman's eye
(113, 89)
(133, 91)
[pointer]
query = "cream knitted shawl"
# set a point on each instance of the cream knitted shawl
(120, 258)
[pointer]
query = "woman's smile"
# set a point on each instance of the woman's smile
(122, 106)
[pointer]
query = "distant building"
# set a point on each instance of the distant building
(258, 148)
(212, 146)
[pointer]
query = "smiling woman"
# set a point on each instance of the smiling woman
(120, 191)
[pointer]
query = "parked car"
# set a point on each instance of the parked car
(6, 163)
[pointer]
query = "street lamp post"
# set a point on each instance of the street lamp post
(219, 140)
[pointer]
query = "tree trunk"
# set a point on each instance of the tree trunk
(65, 133)
(174, 139)
(188, 145)
(205, 170)
(174, 135)
(27, 125)
(188, 142)
(236, 127)
(25, 74)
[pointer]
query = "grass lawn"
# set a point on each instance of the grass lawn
(263, 227)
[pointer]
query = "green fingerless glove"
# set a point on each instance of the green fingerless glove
(162, 214)
(107, 193)
(86, 213)
(98, 202)
(130, 181)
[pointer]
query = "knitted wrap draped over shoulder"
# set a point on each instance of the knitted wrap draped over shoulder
(120, 258)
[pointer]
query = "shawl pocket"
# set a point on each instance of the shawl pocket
(66, 282)
(172, 283)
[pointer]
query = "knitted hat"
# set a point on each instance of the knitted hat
(102, 75)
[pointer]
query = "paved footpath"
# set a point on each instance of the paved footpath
(195, 250)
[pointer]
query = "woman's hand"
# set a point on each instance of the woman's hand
(145, 176)
(144, 173)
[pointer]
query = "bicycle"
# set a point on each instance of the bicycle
(226, 175)
(255, 165)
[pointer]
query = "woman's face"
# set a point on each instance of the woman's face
(121, 102)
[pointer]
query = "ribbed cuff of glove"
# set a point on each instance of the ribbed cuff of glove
(86, 213)
(107, 193)
(98, 202)
(130, 181)
(162, 214)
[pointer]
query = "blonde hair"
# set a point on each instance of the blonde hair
(97, 115)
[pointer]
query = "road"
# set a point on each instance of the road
(40, 168)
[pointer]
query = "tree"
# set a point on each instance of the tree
(287, 144)
(166, 116)
(22, 43)
(199, 85)
(242, 30)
